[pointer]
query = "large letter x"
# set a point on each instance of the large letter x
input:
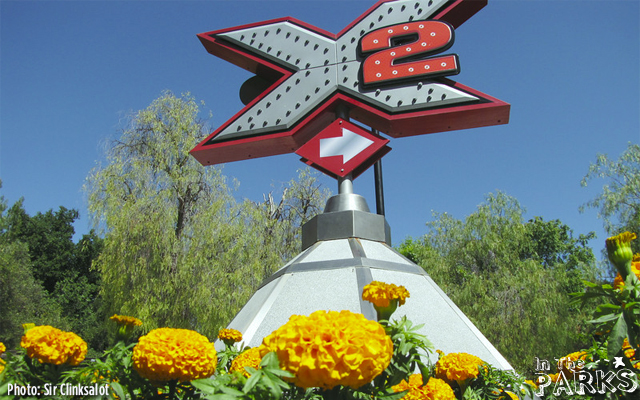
(314, 72)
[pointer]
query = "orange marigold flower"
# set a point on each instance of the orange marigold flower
(248, 358)
(554, 377)
(53, 346)
(508, 395)
(330, 348)
(126, 320)
(629, 351)
(229, 335)
(167, 354)
(435, 389)
(572, 363)
(381, 294)
(2, 350)
(458, 367)
(415, 381)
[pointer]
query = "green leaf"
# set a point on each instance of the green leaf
(252, 381)
(605, 318)
(392, 396)
(118, 389)
(204, 385)
(221, 396)
(231, 391)
(617, 336)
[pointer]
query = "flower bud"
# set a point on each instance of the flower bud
(620, 253)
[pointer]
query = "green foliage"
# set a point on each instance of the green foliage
(493, 383)
(49, 237)
(510, 277)
(22, 297)
(61, 267)
(619, 202)
(612, 362)
(178, 249)
(411, 352)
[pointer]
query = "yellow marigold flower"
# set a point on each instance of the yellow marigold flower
(415, 381)
(248, 358)
(380, 293)
(126, 320)
(2, 350)
(330, 348)
(531, 383)
(435, 389)
(229, 336)
(620, 253)
(167, 354)
(554, 377)
(386, 297)
(508, 395)
(458, 367)
(53, 346)
(629, 351)
(572, 363)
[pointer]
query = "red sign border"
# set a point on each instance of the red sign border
(488, 112)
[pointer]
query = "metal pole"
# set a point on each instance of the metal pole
(377, 177)
(345, 185)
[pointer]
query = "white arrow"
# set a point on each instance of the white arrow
(349, 145)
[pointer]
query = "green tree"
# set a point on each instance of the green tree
(62, 267)
(619, 202)
(178, 249)
(50, 240)
(280, 220)
(512, 278)
(22, 297)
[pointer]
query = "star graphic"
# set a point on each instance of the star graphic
(311, 73)
(618, 362)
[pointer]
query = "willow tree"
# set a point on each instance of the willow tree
(511, 277)
(179, 250)
(619, 202)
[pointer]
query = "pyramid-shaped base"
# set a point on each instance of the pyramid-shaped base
(330, 275)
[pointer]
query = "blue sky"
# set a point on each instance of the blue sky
(71, 71)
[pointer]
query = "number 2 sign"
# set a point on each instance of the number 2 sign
(399, 52)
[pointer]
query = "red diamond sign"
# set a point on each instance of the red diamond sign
(343, 148)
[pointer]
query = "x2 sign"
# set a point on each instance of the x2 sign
(387, 68)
